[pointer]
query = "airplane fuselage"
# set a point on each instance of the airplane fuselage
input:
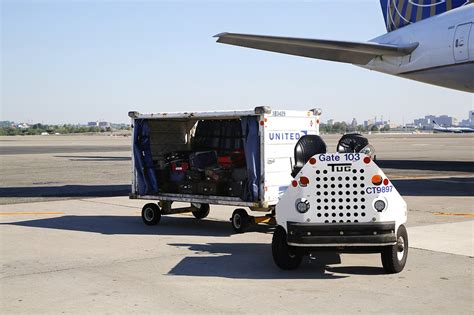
(453, 130)
(445, 55)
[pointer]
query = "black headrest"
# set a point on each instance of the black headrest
(305, 148)
(352, 143)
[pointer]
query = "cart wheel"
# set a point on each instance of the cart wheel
(151, 214)
(394, 257)
(240, 220)
(202, 210)
(286, 257)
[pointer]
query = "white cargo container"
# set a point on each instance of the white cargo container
(269, 140)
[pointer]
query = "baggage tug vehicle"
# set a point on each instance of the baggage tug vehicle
(342, 202)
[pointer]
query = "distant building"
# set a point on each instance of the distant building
(330, 122)
(469, 122)
(445, 120)
(354, 123)
(368, 123)
(23, 126)
(93, 124)
(6, 123)
(427, 121)
(104, 125)
(393, 125)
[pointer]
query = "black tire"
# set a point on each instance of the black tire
(202, 210)
(151, 214)
(285, 257)
(395, 257)
(240, 220)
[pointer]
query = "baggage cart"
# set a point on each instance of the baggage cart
(239, 158)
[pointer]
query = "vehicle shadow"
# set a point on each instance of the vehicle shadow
(451, 186)
(95, 158)
(133, 225)
(447, 166)
(248, 261)
(66, 191)
(226, 260)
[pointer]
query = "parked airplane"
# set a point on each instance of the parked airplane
(427, 41)
(438, 128)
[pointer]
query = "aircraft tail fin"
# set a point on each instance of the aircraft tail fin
(399, 13)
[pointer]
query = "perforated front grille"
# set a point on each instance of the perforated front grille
(341, 197)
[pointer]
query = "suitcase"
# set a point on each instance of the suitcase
(200, 160)
(239, 174)
(218, 174)
(192, 175)
(178, 171)
(235, 159)
(206, 187)
(232, 189)
(186, 188)
(168, 187)
(176, 156)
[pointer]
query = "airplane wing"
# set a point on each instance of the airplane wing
(359, 53)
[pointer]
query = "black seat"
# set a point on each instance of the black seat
(352, 143)
(305, 148)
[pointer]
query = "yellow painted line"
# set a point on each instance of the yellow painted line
(30, 213)
(455, 214)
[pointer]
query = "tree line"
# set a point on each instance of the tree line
(343, 127)
(38, 129)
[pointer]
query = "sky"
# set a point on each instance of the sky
(78, 61)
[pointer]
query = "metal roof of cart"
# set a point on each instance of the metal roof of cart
(210, 114)
(195, 115)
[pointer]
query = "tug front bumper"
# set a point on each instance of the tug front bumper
(341, 234)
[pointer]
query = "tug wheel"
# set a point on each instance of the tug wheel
(151, 214)
(240, 220)
(286, 257)
(395, 257)
(202, 210)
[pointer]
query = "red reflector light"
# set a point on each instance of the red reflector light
(377, 180)
(304, 180)
(294, 183)
(312, 161)
(262, 122)
(386, 181)
(366, 160)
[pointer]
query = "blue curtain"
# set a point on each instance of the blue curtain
(146, 177)
(252, 157)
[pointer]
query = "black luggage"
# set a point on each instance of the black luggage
(186, 188)
(177, 156)
(233, 189)
(239, 174)
(206, 187)
(200, 160)
(218, 174)
(193, 175)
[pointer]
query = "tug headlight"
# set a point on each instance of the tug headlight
(302, 205)
(380, 205)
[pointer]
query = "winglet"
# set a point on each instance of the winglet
(409, 48)
(220, 34)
